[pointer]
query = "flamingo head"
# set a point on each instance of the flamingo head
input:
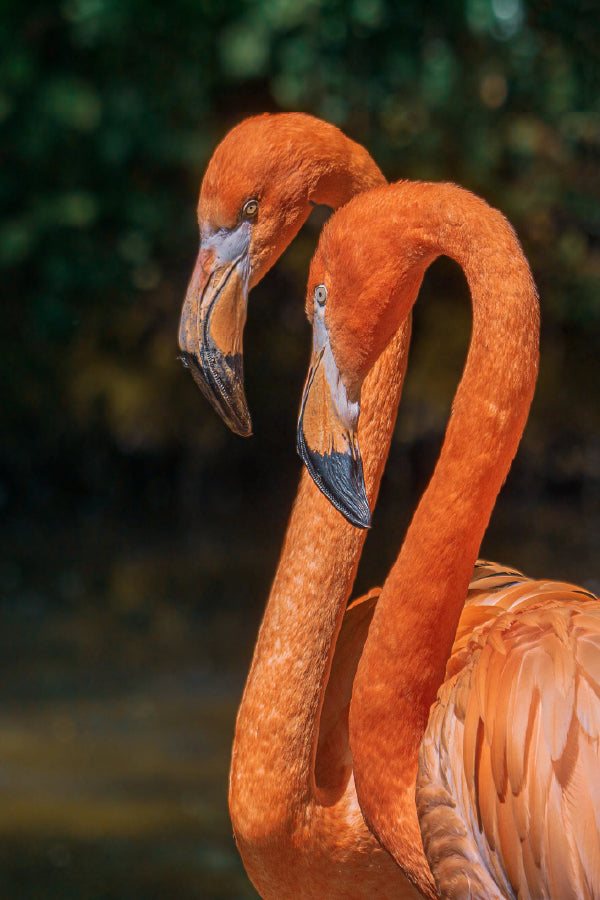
(256, 194)
(363, 281)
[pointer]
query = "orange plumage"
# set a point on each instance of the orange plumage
(292, 800)
(474, 723)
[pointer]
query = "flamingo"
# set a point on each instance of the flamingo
(292, 801)
(474, 728)
(258, 190)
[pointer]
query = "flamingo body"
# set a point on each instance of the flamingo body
(293, 805)
(475, 714)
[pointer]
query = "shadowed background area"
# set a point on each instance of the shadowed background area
(139, 537)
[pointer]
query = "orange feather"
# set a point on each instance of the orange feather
(292, 800)
(490, 772)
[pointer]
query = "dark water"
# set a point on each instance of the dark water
(120, 793)
(116, 720)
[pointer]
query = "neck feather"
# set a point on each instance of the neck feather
(340, 169)
(417, 614)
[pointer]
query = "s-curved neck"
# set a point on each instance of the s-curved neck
(286, 827)
(417, 614)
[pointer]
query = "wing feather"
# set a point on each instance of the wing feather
(583, 803)
(554, 680)
(587, 705)
(537, 789)
(558, 864)
(588, 658)
(513, 745)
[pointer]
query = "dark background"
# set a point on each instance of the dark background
(139, 537)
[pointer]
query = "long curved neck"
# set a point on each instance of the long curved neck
(273, 795)
(417, 614)
(318, 165)
(276, 808)
(338, 169)
(328, 168)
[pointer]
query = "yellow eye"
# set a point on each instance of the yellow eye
(321, 294)
(250, 209)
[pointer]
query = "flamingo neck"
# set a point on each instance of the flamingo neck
(415, 622)
(272, 780)
(326, 168)
(282, 820)
(285, 824)
(318, 167)
(339, 169)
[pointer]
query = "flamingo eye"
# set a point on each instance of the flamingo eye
(250, 209)
(321, 294)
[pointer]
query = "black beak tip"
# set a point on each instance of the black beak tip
(357, 512)
(339, 476)
(361, 518)
(239, 426)
(223, 387)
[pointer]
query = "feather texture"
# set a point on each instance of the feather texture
(510, 764)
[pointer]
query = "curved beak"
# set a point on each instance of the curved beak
(327, 439)
(212, 325)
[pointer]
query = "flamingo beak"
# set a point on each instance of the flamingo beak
(326, 437)
(212, 325)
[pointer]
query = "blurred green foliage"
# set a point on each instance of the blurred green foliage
(109, 110)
